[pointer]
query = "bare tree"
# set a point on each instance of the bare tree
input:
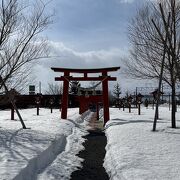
(148, 31)
(54, 89)
(21, 80)
(20, 41)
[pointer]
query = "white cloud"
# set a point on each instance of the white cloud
(125, 1)
(67, 57)
(70, 58)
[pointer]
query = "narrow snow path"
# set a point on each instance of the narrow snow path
(67, 161)
(93, 156)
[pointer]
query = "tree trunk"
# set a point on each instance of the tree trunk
(173, 112)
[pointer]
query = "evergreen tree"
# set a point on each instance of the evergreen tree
(117, 91)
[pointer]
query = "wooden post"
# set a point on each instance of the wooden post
(97, 110)
(37, 109)
(12, 112)
(38, 101)
(129, 107)
(105, 98)
(51, 102)
(65, 97)
(139, 109)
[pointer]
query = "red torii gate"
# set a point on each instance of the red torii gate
(104, 78)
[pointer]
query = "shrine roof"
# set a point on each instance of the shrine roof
(98, 70)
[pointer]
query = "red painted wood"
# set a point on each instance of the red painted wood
(64, 104)
(84, 102)
(84, 105)
(98, 70)
(92, 99)
(70, 78)
(97, 110)
(105, 99)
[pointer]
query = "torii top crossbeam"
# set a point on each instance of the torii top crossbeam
(67, 72)
(98, 70)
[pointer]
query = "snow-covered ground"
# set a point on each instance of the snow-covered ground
(134, 152)
(46, 150)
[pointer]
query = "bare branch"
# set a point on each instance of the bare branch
(20, 41)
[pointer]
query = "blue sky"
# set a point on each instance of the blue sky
(89, 34)
(87, 25)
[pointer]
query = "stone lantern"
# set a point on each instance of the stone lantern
(38, 101)
(139, 101)
(129, 101)
(51, 102)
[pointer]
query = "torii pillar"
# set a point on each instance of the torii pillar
(105, 97)
(65, 94)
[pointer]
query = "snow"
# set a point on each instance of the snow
(134, 152)
(67, 161)
(49, 142)
(48, 148)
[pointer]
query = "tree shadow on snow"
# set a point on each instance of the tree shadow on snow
(18, 144)
(73, 122)
(122, 122)
(169, 132)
